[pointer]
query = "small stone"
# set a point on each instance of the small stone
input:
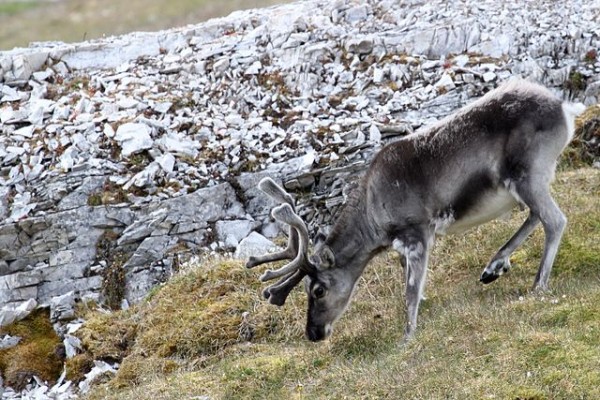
(357, 14)
(62, 307)
(489, 76)
(127, 103)
(254, 244)
(10, 314)
(22, 70)
(461, 60)
(109, 131)
(175, 143)
(8, 341)
(253, 69)
(26, 131)
(100, 368)
(221, 65)
(378, 75)
(468, 78)
(166, 162)
(233, 231)
(72, 345)
(374, 134)
(445, 83)
(162, 107)
(360, 46)
(41, 76)
(133, 137)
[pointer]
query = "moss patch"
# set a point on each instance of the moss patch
(110, 193)
(39, 353)
(78, 366)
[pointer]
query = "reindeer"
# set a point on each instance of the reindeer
(467, 169)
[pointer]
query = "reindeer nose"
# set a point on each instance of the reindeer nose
(488, 277)
(315, 333)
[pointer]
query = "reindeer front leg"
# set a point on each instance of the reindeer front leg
(414, 248)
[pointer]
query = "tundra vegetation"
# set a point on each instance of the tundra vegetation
(208, 332)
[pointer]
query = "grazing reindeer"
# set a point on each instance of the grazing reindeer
(465, 170)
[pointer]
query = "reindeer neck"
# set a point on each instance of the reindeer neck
(352, 239)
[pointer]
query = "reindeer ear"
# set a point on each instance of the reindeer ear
(327, 257)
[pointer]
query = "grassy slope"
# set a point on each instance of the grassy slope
(474, 341)
(76, 20)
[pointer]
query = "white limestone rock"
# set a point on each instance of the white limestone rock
(72, 345)
(178, 144)
(254, 244)
(12, 313)
(100, 368)
(231, 232)
(62, 307)
(7, 342)
(133, 138)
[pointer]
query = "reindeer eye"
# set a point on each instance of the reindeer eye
(319, 292)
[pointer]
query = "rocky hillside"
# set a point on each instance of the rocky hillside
(123, 157)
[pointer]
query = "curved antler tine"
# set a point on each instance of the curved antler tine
(291, 274)
(284, 213)
(278, 293)
(276, 192)
(285, 270)
(289, 253)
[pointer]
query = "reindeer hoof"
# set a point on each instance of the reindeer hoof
(494, 270)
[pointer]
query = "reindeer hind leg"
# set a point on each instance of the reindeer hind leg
(534, 191)
(500, 263)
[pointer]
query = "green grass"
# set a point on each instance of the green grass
(11, 8)
(76, 20)
(474, 341)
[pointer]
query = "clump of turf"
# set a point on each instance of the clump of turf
(216, 306)
(39, 353)
(197, 315)
(585, 146)
(77, 366)
(109, 337)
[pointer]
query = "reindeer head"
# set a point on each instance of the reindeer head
(329, 288)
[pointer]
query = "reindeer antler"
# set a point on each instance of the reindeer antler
(292, 273)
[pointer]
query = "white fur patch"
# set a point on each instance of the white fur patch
(442, 224)
(412, 252)
(570, 111)
(398, 245)
(490, 207)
